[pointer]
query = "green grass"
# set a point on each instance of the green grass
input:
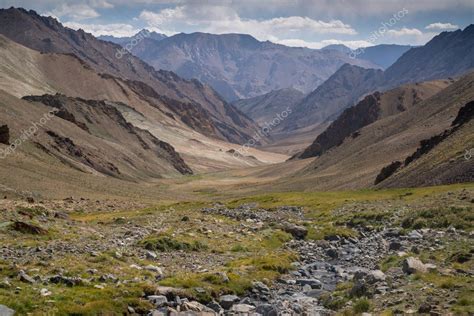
(460, 218)
(167, 244)
(241, 273)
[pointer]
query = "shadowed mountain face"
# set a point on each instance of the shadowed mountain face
(341, 90)
(239, 66)
(265, 107)
(446, 55)
(358, 160)
(46, 34)
(382, 55)
(373, 107)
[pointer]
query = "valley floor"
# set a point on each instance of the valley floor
(228, 241)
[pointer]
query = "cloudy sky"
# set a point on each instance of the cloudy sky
(309, 23)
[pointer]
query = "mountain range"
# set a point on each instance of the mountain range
(46, 34)
(239, 66)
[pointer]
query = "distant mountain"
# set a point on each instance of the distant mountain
(442, 57)
(46, 34)
(372, 108)
(264, 108)
(338, 47)
(238, 66)
(122, 41)
(448, 54)
(341, 90)
(383, 55)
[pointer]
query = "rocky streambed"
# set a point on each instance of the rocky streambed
(338, 272)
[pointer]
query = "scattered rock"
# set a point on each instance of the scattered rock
(298, 232)
(26, 278)
(266, 310)
(226, 301)
(332, 253)
(242, 308)
(413, 265)
(158, 300)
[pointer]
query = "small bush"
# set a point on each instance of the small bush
(361, 306)
(165, 244)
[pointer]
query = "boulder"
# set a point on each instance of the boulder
(314, 283)
(26, 278)
(242, 308)
(226, 301)
(413, 265)
(298, 232)
(332, 253)
(395, 245)
(5, 311)
(157, 300)
(267, 310)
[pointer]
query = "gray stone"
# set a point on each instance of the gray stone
(215, 307)
(5, 311)
(266, 310)
(412, 265)
(151, 255)
(415, 235)
(298, 232)
(314, 283)
(242, 308)
(158, 300)
(332, 253)
(395, 245)
(226, 301)
(25, 277)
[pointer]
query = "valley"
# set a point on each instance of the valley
(209, 173)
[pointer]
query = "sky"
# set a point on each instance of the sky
(305, 23)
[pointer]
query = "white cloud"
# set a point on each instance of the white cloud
(321, 44)
(220, 19)
(405, 32)
(441, 26)
(117, 30)
(74, 11)
(102, 4)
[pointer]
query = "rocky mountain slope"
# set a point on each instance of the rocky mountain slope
(436, 161)
(340, 91)
(372, 108)
(46, 34)
(239, 66)
(358, 160)
(442, 57)
(85, 135)
(27, 72)
(264, 108)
